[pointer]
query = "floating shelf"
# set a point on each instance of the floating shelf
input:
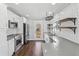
(68, 19)
(72, 28)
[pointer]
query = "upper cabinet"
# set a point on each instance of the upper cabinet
(3, 16)
(12, 16)
(16, 21)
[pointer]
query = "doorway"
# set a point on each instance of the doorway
(24, 33)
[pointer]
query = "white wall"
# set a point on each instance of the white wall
(70, 11)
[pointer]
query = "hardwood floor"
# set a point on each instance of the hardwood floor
(30, 49)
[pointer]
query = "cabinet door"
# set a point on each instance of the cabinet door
(3, 43)
(11, 46)
(3, 16)
(4, 49)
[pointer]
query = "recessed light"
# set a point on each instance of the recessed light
(17, 3)
(53, 3)
(27, 15)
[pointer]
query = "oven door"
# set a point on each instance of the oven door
(18, 42)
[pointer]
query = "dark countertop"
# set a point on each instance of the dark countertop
(9, 37)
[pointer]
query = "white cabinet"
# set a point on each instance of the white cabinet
(3, 27)
(4, 49)
(11, 16)
(11, 46)
(3, 43)
(3, 36)
(3, 16)
(15, 18)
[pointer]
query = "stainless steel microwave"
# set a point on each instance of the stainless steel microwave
(12, 24)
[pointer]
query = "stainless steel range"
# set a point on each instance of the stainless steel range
(18, 42)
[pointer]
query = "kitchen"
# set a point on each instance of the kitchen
(52, 29)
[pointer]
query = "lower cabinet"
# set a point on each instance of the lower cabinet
(11, 46)
(3, 43)
(4, 49)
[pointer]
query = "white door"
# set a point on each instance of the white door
(11, 46)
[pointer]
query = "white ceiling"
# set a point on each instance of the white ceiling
(36, 11)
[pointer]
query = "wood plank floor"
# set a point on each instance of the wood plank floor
(30, 49)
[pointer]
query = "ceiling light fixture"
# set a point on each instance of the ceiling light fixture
(49, 15)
